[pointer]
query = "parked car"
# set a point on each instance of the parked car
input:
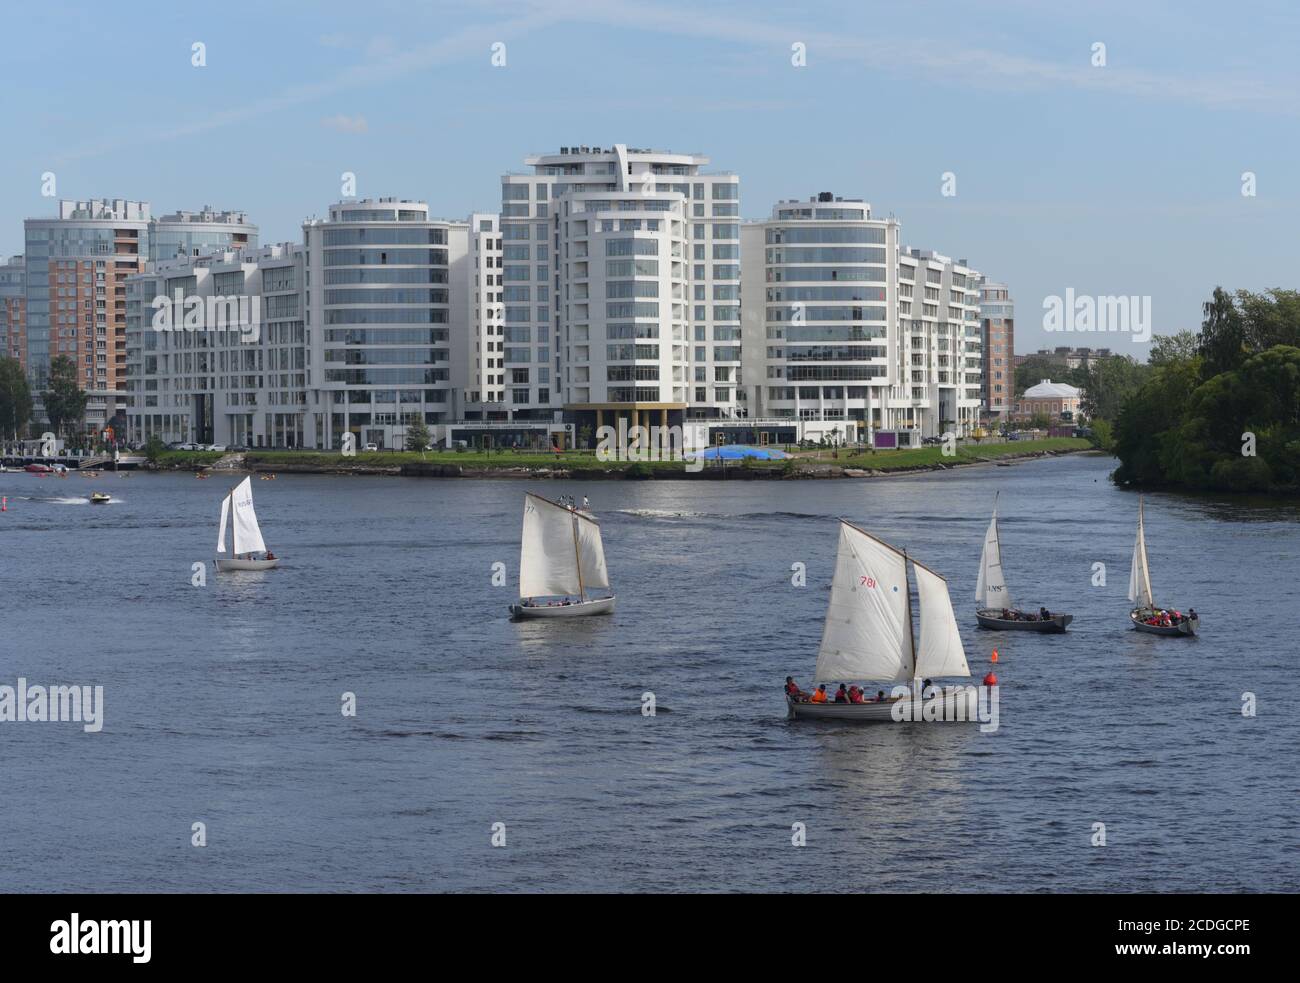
(1013, 435)
(217, 447)
(931, 440)
(371, 447)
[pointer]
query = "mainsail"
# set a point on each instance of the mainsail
(561, 554)
(1139, 578)
(940, 652)
(991, 589)
(247, 536)
(867, 634)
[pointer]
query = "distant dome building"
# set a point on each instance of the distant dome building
(1058, 400)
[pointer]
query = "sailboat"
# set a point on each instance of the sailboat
(561, 558)
(1139, 592)
(991, 592)
(237, 506)
(868, 634)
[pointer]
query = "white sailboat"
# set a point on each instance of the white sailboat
(1139, 592)
(246, 536)
(561, 559)
(868, 635)
(996, 610)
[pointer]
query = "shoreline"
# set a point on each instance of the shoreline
(802, 469)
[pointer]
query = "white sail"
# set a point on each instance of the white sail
(991, 589)
(867, 635)
(247, 536)
(940, 652)
(221, 533)
(548, 555)
(1139, 578)
(591, 555)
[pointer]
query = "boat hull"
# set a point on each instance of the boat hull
(232, 565)
(1184, 629)
(878, 713)
(578, 609)
(1055, 625)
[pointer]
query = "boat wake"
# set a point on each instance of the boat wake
(687, 514)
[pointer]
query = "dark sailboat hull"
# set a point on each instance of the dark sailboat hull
(1055, 625)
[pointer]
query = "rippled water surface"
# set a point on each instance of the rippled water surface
(223, 702)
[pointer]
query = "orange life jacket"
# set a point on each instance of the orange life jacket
(819, 696)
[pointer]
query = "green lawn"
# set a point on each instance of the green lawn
(881, 460)
(919, 457)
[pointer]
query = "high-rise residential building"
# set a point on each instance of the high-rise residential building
(384, 286)
(998, 320)
(478, 355)
(621, 297)
(199, 233)
(13, 310)
(236, 373)
(77, 265)
(847, 334)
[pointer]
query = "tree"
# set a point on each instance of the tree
(1110, 382)
(417, 436)
(15, 398)
(1223, 335)
(1169, 348)
(154, 448)
(65, 402)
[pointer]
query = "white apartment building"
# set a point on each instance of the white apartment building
(384, 286)
(848, 335)
(478, 359)
(241, 380)
(621, 297)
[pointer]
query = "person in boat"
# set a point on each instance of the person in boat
(1044, 614)
(856, 695)
(793, 691)
(586, 503)
(1191, 614)
(927, 689)
(842, 694)
(270, 555)
(819, 694)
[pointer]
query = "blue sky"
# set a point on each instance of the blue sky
(1122, 179)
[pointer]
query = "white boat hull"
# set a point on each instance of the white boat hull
(576, 609)
(227, 566)
(881, 713)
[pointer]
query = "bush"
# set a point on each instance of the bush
(1241, 474)
(639, 470)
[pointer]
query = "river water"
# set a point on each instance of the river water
(222, 703)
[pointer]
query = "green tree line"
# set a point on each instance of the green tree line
(1219, 410)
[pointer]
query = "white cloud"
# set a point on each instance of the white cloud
(346, 124)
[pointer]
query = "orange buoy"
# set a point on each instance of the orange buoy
(994, 657)
(990, 680)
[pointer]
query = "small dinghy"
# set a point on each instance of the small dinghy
(99, 498)
(868, 636)
(561, 558)
(1139, 592)
(997, 612)
(246, 535)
